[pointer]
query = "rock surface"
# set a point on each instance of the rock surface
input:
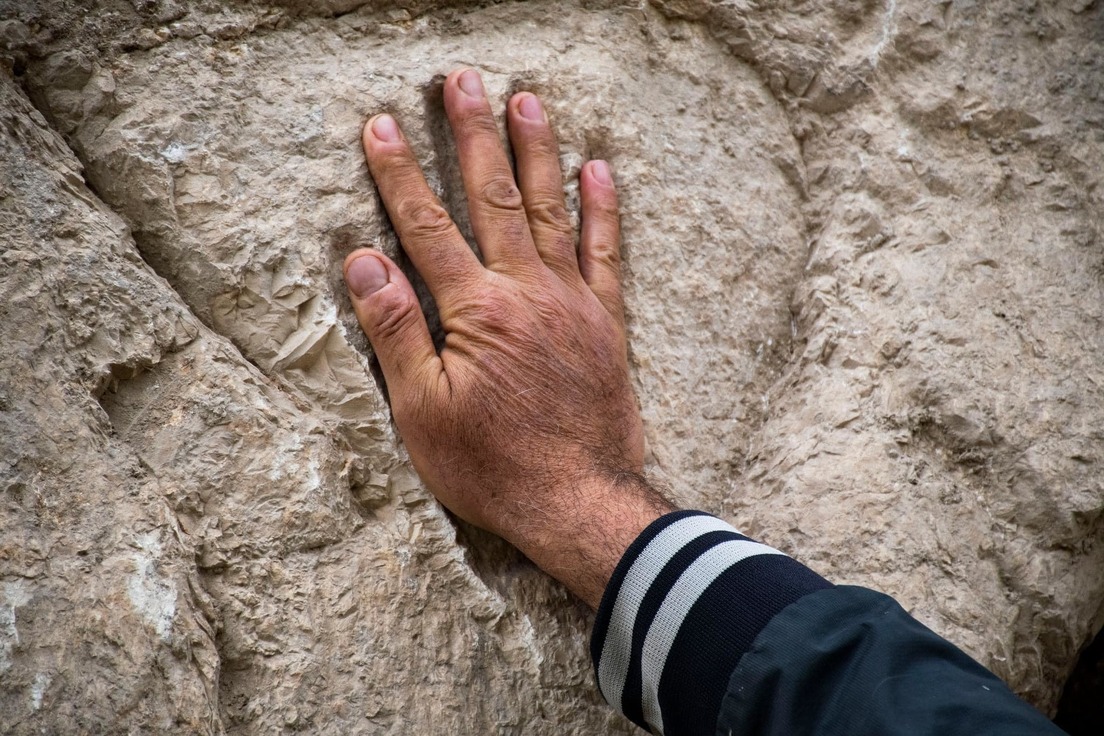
(865, 281)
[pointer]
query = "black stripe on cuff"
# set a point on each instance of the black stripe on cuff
(605, 608)
(631, 704)
(719, 626)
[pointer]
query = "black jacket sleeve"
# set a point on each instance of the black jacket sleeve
(702, 630)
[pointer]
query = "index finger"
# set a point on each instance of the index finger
(428, 234)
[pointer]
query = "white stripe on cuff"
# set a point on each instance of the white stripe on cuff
(682, 596)
(613, 666)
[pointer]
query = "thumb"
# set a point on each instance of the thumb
(389, 314)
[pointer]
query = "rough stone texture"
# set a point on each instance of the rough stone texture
(864, 276)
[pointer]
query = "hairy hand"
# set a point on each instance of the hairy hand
(525, 423)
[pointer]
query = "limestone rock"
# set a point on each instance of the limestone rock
(864, 283)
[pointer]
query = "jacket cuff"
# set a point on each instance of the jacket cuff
(686, 601)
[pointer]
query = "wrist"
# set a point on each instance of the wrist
(580, 542)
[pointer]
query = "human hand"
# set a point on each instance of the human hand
(526, 423)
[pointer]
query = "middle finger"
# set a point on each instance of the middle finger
(494, 201)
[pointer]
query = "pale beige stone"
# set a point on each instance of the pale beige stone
(864, 284)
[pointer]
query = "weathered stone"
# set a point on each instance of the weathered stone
(864, 282)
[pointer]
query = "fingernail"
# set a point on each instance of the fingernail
(530, 108)
(385, 128)
(601, 172)
(470, 82)
(366, 275)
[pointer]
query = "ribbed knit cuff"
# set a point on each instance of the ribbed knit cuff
(685, 602)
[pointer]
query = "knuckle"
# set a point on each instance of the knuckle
(422, 218)
(542, 145)
(393, 314)
(489, 308)
(501, 193)
(477, 122)
(392, 161)
(606, 254)
(549, 212)
(605, 208)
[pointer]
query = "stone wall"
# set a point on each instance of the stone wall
(864, 248)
